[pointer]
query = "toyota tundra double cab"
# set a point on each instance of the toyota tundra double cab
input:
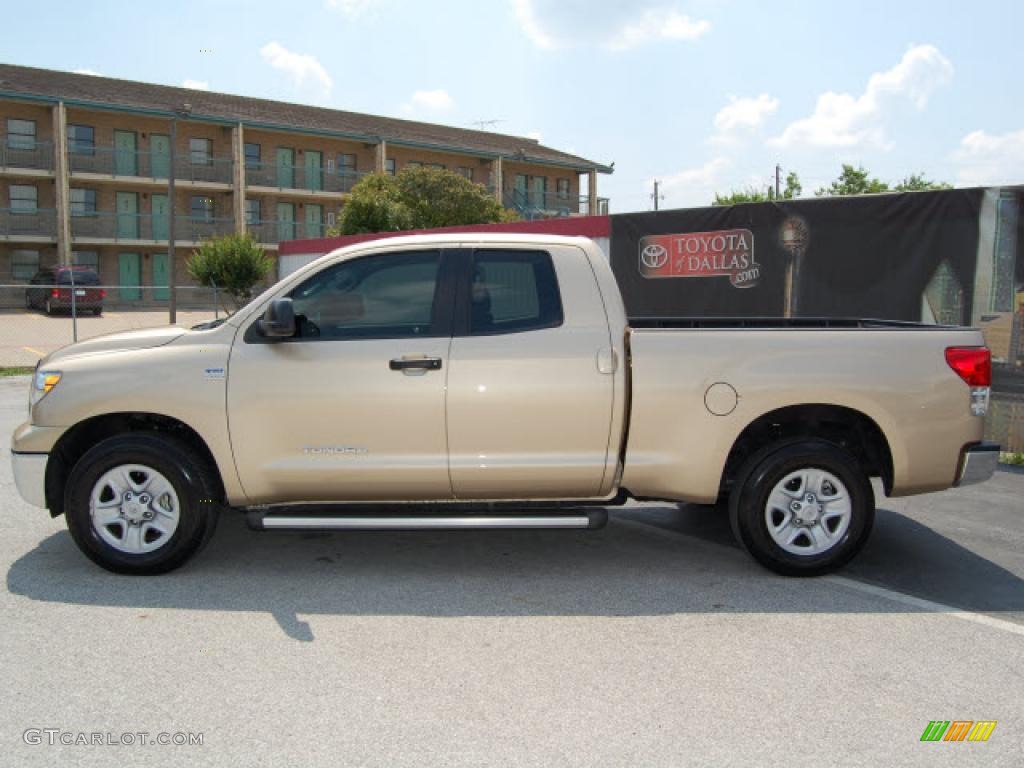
(498, 377)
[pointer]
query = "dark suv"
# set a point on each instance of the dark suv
(50, 289)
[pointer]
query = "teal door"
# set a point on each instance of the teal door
(161, 217)
(521, 188)
(285, 167)
(285, 221)
(159, 155)
(314, 221)
(125, 159)
(127, 216)
(314, 170)
(540, 192)
(161, 275)
(129, 276)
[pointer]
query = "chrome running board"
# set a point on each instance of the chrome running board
(589, 518)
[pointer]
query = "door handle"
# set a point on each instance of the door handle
(413, 363)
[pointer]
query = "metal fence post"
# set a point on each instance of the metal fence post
(74, 312)
(216, 302)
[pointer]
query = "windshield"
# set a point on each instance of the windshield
(81, 278)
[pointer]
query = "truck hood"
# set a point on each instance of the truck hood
(118, 342)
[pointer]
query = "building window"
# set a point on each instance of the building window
(437, 166)
(83, 202)
(465, 171)
(24, 264)
(253, 212)
(252, 155)
(81, 140)
(346, 165)
(414, 164)
(86, 259)
(201, 151)
(202, 207)
(23, 198)
(21, 134)
(389, 166)
(562, 189)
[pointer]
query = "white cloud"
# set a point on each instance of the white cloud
(300, 66)
(844, 120)
(658, 24)
(531, 26)
(437, 100)
(351, 8)
(198, 85)
(87, 72)
(985, 158)
(745, 113)
(611, 24)
(694, 186)
(536, 136)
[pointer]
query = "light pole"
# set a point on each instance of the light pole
(172, 273)
(173, 296)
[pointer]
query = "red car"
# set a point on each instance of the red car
(50, 289)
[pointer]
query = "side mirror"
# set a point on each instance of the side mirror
(278, 322)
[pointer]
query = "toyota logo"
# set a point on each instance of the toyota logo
(654, 256)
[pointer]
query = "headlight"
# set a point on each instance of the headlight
(42, 383)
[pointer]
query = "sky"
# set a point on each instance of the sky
(705, 96)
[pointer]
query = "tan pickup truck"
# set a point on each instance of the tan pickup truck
(499, 376)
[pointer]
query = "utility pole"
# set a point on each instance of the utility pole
(656, 194)
(778, 181)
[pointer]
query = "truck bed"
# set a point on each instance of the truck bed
(779, 323)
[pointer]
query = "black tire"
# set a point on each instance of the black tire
(191, 478)
(98, 311)
(759, 476)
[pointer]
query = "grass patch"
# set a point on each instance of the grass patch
(22, 371)
(1014, 459)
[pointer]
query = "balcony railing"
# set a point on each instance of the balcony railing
(108, 225)
(112, 161)
(16, 152)
(279, 230)
(533, 204)
(36, 222)
(314, 179)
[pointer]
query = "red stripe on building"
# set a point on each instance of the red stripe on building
(584, 226)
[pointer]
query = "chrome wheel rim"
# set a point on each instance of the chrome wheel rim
(134, 509)
(808, 512)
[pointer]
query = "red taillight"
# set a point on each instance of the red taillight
(55, 293)
(103, 293)
(972, 364)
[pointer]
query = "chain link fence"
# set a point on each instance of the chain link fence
(38, 319)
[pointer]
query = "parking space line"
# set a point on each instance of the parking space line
(34, 351)
(927, 605)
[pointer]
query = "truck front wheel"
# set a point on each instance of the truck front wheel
(802, 508)
(140, 504)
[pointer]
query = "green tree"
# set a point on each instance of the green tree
(234, 264)
(853, 181)
(792, 189)
(417, 198)
(916, 182)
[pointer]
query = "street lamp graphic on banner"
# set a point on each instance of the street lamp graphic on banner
(793, 237)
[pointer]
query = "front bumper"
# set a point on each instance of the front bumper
(978, 463)
(30, 476)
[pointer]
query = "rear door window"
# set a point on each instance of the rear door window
(512, 291)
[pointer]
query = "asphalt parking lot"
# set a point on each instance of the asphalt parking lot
(653, 642)
(26, 336)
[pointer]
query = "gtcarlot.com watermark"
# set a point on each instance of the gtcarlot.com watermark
(52, 737)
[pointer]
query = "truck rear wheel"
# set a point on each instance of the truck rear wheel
(140, 504)
(802, 508)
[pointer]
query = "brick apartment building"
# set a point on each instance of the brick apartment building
(86, 164)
